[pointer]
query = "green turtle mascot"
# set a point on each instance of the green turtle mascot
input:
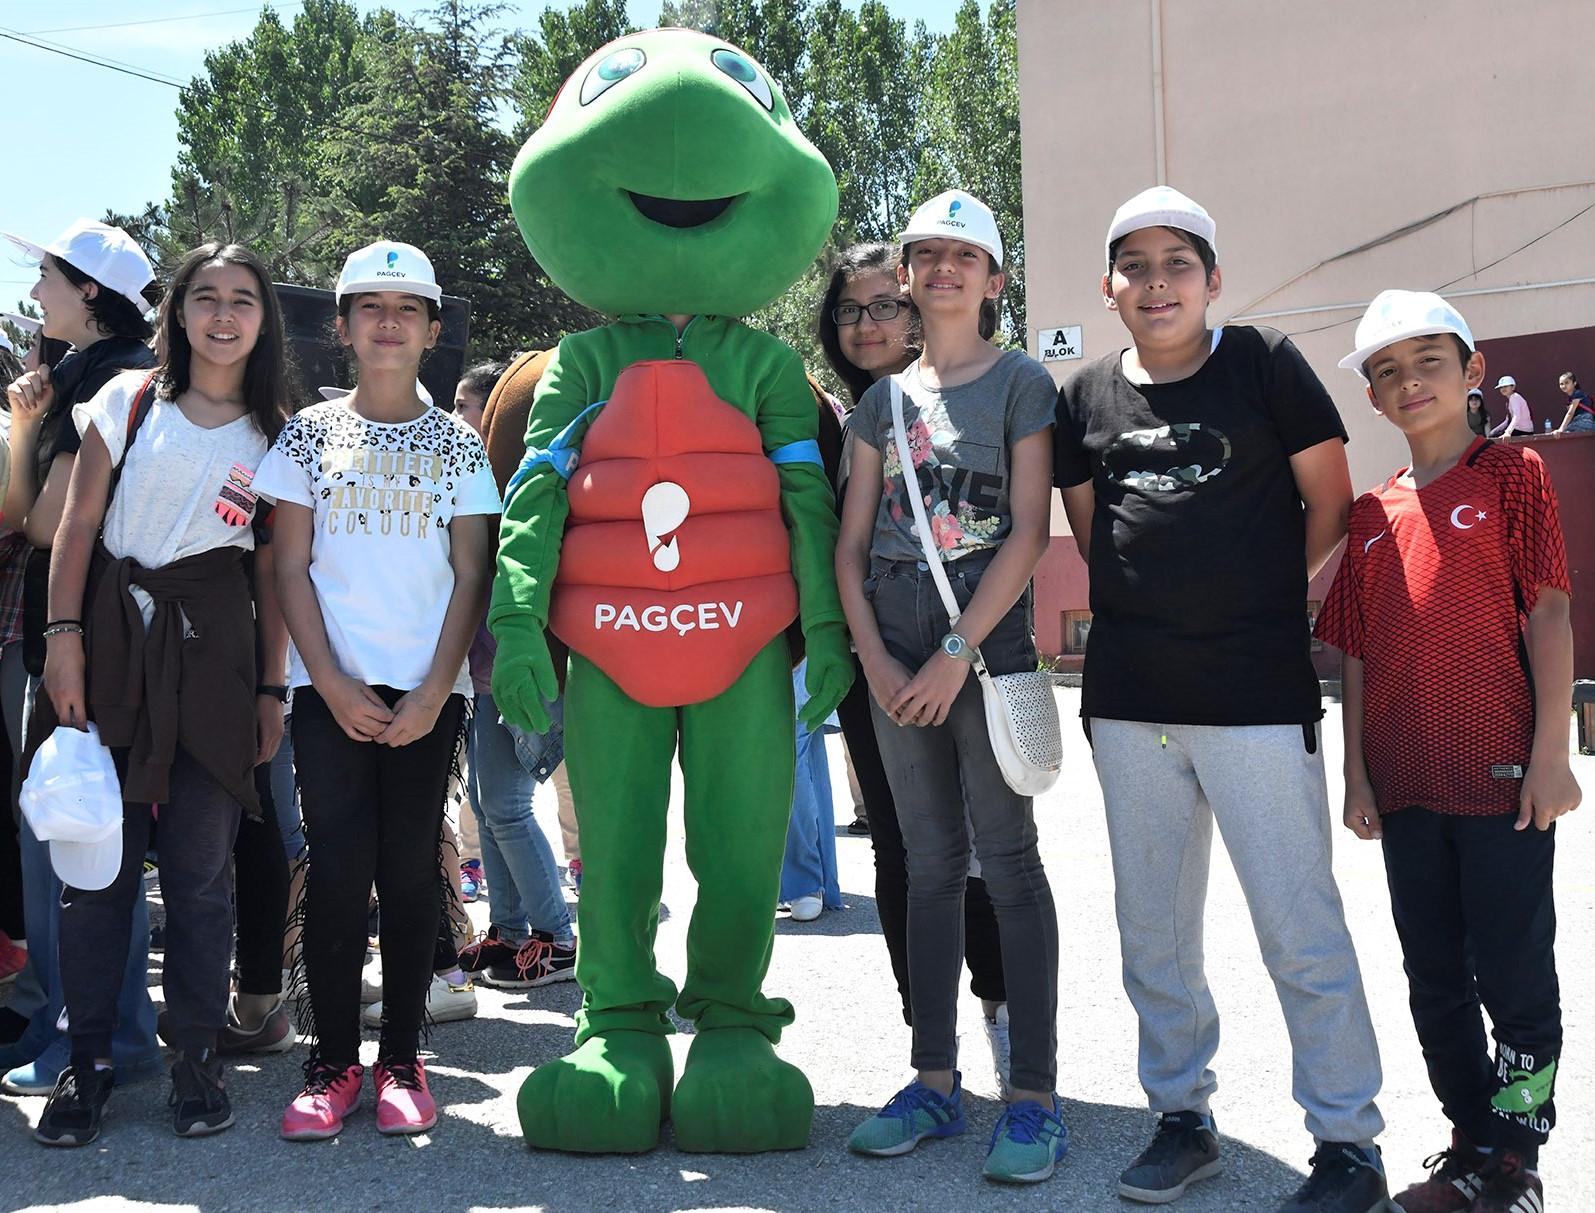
(668, 524)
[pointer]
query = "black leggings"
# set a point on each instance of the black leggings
(372, 813)
(982, 948)
(260, 869)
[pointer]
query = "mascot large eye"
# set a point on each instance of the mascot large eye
(610, 71)
(740, 68)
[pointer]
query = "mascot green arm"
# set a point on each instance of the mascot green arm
(786, 416)
(533, 525)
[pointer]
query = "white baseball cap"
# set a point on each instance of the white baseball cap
(1504, 380)
(1396, 315)
(73, 800)
(388, 265)
(1161, 206)
(331, 391)
(106, 254)
(955, 215)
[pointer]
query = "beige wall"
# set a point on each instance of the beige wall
(1309, 130)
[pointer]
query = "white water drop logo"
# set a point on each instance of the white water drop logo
(664, 509)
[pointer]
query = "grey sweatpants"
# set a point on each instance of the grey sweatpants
(1269, 798)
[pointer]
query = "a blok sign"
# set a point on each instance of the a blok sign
(1059, 344)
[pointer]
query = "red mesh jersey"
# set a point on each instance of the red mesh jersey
(1433, 595)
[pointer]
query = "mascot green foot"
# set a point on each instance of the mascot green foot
(737, 1097)
(608, 1097)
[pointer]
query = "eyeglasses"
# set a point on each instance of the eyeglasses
(880, 309)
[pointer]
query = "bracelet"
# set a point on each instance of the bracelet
(57, 622)
(278, 693)
(64, 628)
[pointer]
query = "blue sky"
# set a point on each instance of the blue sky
(116, 135)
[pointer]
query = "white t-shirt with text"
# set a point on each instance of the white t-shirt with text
(383, 495)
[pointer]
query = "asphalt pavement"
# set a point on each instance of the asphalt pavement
(850, 1039)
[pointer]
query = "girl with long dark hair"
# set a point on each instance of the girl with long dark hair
(153, 638)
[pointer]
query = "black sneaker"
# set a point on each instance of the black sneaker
(539, 962)
(1345, 1179)
(486, 951)
(1183, 1151)
(198, 1099)
(76, 1107)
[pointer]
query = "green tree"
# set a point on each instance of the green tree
(250, 130)
(549, 57)
(418, 157)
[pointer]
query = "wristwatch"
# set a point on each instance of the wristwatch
(959, 649)
(278, 693)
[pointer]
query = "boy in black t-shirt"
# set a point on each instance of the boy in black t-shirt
(1204, 477)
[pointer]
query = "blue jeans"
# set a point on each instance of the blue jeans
(285, 794)
(133, 1039)
(809, 865)
(522, 877)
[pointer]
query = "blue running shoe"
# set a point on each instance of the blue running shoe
(1027, 1144)
(913, 1114)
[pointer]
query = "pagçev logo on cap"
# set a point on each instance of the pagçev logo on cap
(390, 272)
(952, 219)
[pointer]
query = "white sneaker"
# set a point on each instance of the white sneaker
(807, 909)
(1001, 1048)
(443, 1003)
(371, 980)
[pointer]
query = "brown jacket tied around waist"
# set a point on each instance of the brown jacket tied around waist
(187, 680)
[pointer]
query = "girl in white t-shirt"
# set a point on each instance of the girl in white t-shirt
(153, 636)
(384, 505)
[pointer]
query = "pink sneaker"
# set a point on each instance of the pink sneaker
(404, 1105)
(317, 1112)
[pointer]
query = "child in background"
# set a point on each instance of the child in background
(383, 539)
(1580, 415)
(1204, 476)
(1454, 590)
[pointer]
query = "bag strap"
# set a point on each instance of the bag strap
(938, 573)
(142, 404)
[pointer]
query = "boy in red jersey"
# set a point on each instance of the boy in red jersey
(1454, 589)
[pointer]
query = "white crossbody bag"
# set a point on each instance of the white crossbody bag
(1021, 713)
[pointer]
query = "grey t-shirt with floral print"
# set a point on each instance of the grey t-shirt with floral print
(960, 438)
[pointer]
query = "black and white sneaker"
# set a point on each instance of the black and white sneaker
(1345, 1178)
(1183, 1151)
(76, 1107)
(540, 961)
(199, 1100)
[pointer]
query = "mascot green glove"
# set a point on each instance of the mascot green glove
(669, 522)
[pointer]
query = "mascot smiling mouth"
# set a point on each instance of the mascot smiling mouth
(680, 212)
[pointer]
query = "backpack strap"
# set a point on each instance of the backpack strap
(142, 404)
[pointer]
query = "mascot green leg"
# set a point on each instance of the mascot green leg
(613, 1092)
(735, 1094)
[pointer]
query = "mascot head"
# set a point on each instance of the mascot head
(670, 177)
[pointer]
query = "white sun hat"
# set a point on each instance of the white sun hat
(388, 265)
(106, 254)
(1162, 206)
(1506, 381)
(1396, 315)
(955, 215)
(73, 800)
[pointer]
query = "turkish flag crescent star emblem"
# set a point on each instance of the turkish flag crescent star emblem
(664, 508)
